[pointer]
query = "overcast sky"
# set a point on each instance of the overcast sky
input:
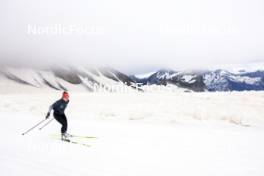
(133, 36)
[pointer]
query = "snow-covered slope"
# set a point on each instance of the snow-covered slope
(151, 134)
(144, 75)
(63, 78)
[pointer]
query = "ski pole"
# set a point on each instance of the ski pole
(46, 124)
(33, 127)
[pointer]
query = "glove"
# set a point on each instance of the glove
(48, 114)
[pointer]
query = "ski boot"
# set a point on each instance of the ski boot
(65, 137)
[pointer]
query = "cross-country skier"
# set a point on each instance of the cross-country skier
(58, 112)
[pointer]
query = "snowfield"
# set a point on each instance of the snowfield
(137, 134)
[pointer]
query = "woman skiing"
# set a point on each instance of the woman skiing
(58, 112)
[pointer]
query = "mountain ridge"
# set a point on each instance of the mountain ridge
(207, 80)
(87, 78)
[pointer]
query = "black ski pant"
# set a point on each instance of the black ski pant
(61, 118)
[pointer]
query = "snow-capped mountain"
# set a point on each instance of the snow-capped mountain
(90, 79)
(64, 78)
(188, 80)
(217, 80)
(222, 80)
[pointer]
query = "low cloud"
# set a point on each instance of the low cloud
(132, 36)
